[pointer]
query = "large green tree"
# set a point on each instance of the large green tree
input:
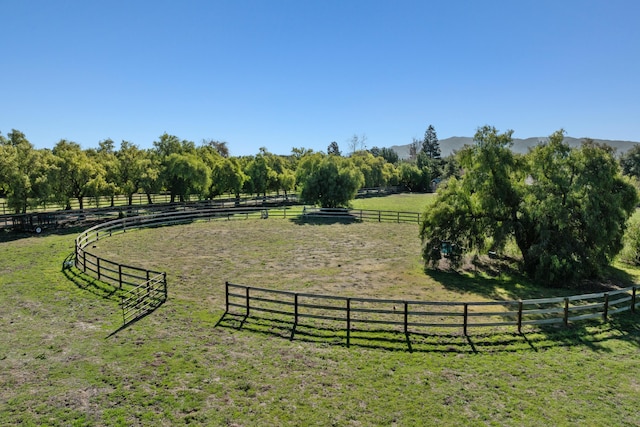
(182, 171)
(282, 177)
(24, 172)
(227, 176)
(332, 182)
(74, 175)
(565, 208)
(106, 183)
(412, 178)
(377, 172)
(186, 174)
(131, 166)
(630, 162)
(389, 155)
(151, 180)
(261, 176)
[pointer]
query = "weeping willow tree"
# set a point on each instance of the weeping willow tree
(330, 182)
(565, 208)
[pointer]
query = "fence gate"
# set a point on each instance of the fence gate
(144, 298)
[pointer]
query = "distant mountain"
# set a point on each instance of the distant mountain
(455, 143)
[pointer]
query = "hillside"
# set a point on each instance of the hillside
(449, 145)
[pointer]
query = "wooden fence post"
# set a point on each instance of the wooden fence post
(348, 321)
(566, 312)
(226, 296)
(98, 265)
(84, 261)
(295, 309)
(247, 299)
(606, 307)
(406, 318)
(466, 313)
(519, 316)
(633, 299)
(164, 281)
(120, 275)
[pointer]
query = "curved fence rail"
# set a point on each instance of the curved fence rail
(148, 288)
(31, 222)
(356, 313)
(364, 215)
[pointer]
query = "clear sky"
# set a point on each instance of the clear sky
(303, 73)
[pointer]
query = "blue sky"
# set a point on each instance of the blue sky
(282, 74)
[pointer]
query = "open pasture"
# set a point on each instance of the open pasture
(61, 364)
(409, 202)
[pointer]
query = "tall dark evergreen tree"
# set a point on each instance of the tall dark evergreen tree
(333, 149)
(430, 144)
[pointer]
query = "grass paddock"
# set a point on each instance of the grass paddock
(60, 365)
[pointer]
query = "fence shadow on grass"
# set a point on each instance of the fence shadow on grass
(88, 283)
(101, 289)
(420, 342)
(130, 323)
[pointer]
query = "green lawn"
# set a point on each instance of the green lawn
(406, 202)
(60, 366)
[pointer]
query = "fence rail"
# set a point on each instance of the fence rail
(351, 312)
(361, 313)
(144, 298)
(364, 215)
(149, 287)
(139, 200)
(60, 218)
(111, 272)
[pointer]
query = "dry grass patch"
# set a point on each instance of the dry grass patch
(380, 260)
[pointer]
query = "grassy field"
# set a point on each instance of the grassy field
(407, 202)
(62, 364)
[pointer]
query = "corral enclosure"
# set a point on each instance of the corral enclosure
(383, 299)
(346, 258)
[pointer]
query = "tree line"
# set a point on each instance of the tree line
(565, 209)
(30, 177)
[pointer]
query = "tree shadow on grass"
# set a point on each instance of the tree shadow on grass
(507, 284)
(627, 327)
(502, 281)
(502, 287)
(324, 220)
(12, 236)
(593, 335)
